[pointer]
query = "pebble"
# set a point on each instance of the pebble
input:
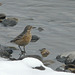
(40, 29)
(10, 22)
(0, 4)
(2, 16)
(44, 52)
(6, 51)
(67, 57)
(35, 38)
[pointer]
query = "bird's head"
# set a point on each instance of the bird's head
(28, 27)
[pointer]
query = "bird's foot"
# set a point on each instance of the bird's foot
(23, 52)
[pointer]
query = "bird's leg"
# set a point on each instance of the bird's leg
(20, 55)
(24, 49)
(23, 52)
(20, 49)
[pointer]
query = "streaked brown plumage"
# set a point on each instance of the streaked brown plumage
(24, 38)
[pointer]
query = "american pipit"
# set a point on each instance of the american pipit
(24, 38)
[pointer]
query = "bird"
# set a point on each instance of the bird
(24, 38)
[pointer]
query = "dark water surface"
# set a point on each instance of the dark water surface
(56, 17)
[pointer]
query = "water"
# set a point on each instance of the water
(56, 17)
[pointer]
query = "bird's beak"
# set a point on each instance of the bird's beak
(33, 27)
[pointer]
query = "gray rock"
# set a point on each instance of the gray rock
(70, 59)
(70, 67)
(67, 58)
(61, 58)
(22, 57)
(2, 16)
(10, 22)
(6, 51)
(40, 29)
(0, 4)
(44, 52)
(35, 38)
(62, 68)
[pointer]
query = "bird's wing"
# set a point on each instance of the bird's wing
(17, 38)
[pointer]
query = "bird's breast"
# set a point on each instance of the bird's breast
(24, 40)
(27, 38)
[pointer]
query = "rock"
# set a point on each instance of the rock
(61, 68)
(6, 51)
(67, 58)
(34, 27)
(10, 22)
(40, 29)
(48, 62)
(34, 56)
(66, 68)
(34, 38)
(61, 58)
(0, 4)
(39, 68)
(70, 59)
(51, 20)
(44, 52)
(2, 16)
(70, 67)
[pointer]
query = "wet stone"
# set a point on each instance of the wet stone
(70, 59)
(48, 62)
(51, 20)
(66, 68)
(70, 67)
(10, 22)
(44, 52)
(61, 59)
(62, 68)
(40, 29)
(35, 38)
(67, 58)
(39, 68)
(2, 16)
(0, 4)
(22, 57)
(6, 51)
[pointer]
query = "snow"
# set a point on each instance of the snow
(26, 67)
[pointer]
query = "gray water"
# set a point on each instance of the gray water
(56, 17)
